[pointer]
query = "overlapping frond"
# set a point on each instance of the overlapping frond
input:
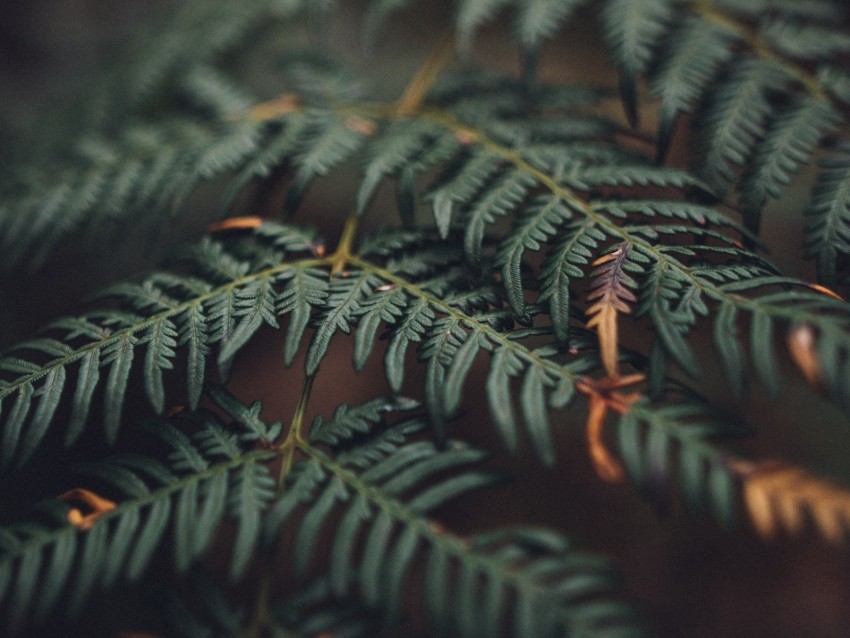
(224, 299)
(209, 475)
(383, 490)
(147, 172)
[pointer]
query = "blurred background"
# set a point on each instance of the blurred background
(692, 578)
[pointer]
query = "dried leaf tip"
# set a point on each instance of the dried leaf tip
(361, 125)
(826, 291)
(236, 223)
(277, 107)
(610, 295)
(802, 346)
(603, 394)
(97, 505)
(782, 497)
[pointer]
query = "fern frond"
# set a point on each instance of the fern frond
(165, 314)
(537, 20)
(790, 141)
(385, 493)
(676, 440)
(805, 41)
(780, 497)
(735, 120)
(828, 226)
(633, 29)
(209, 474)
(677, 285)
(696, 53)
(610, 293)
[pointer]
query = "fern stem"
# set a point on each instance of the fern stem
(294, 438)
(790, 313)
(654, 415)
(411, 100)
(759, 46)
(260, 614)
(343, 253)
(267, 273)
(454, 546)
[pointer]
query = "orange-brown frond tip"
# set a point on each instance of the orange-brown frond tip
(604, 259)
(465, 136)
(275, 108)
(361, 125)
(317, 248)
(826, 291)
(780, 497)
(174, 411)
(606, 465)
(236, 223)
(96, 505)
(802, 346)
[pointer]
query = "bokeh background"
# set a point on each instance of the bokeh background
(693, 579)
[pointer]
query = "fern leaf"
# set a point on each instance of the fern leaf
(397, 146)
(586, 178)
(735, 120)
(499, 200)
(610, 293)
(778, 497)
(254, 489)
(708, 479)
(332, 140)
(503, 367)
(533, 402)
(633, 30)
(542, 220)
(342, 304)
(419, 316)
(122, 541)
(471, 14)
(395, 532)
(385, 306)
(805, 41)
(828, 226)
(574, 249)
(537, 20)
(459, 186)
(170, 312)
(254, 305)
(788, 144)
(697, 51)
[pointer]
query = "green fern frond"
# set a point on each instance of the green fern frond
(696, 53)
(384, 502)
(735, 120)
(165, 314)
(828, 226)
(790, 141)
(209, 474)
(677, 441)
(633, 29)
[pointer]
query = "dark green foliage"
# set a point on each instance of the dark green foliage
(522, 211)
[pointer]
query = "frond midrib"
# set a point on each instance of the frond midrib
(49, 537)
(452, 544)
(267, 273)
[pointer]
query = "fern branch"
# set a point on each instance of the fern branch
(798, 306)
(166, 310)
(374, 484)
(120, 543)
